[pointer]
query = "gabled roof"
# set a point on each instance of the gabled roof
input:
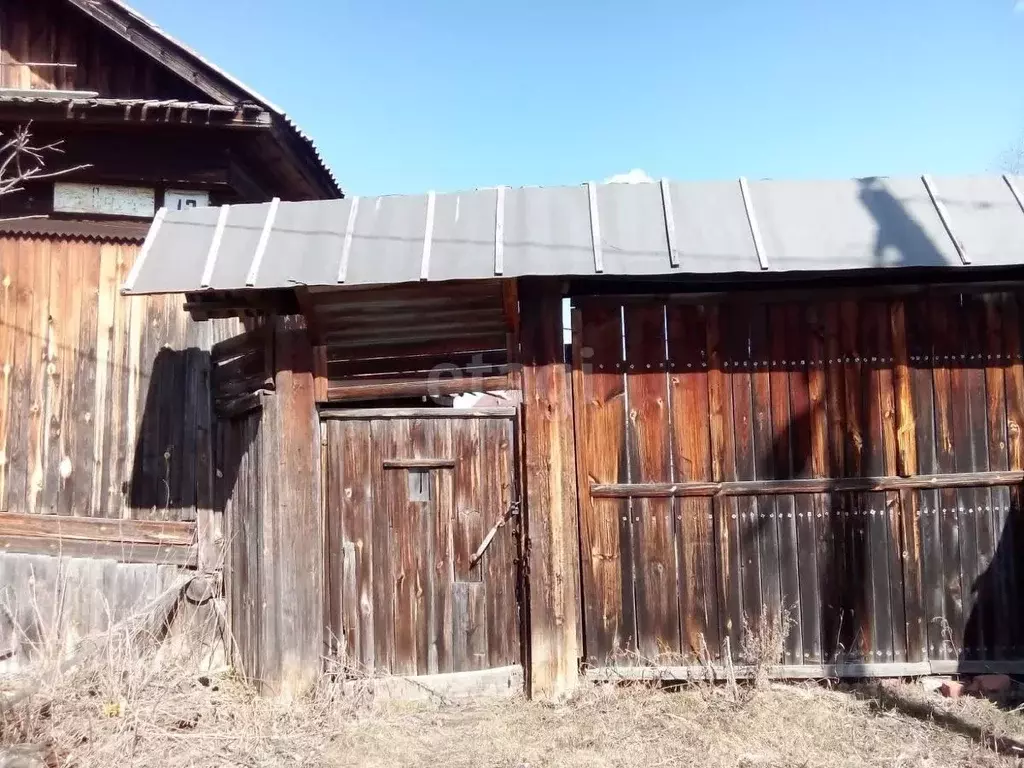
(221, 87)
(650, 230)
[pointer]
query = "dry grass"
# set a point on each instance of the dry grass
(125, 707)
(127, 701)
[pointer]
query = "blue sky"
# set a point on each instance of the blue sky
(404, 97)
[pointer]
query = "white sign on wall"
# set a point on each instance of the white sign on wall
(180, 200)
(106, 199)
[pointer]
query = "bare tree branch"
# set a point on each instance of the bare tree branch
(22, 161)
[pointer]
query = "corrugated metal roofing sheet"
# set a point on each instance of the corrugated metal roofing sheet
(666, 228)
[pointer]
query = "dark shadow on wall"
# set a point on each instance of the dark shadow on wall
(184, 458)
(982, 624)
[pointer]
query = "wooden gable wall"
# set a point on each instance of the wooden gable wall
(35, 34)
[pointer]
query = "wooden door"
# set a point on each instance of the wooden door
(411, 496)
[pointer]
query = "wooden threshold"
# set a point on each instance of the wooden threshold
(805, 485)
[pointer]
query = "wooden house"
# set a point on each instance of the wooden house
(784, 405)
(105, 427)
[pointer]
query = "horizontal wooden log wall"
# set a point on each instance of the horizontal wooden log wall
(104, 400)
(855, 462)
(413, 341)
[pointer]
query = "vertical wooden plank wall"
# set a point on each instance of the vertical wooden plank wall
(104, 400)
(681, 392)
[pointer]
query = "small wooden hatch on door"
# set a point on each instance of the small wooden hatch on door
(411, 496)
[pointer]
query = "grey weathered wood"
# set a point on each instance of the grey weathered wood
(122, 552)
(470, 624)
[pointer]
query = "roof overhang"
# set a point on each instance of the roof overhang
(221, 87)
(650, 230)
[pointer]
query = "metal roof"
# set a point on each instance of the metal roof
(650, 229)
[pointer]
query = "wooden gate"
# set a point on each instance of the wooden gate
(415, 585)
(853, 464)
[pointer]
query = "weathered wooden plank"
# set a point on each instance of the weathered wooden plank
(469, 525)
(24, 360)
(649, 460)
(1000, 576)
(293, 529)
(691, 442)
(8, 343)
(470, 622)
(979, 624)
(838, 630)
(108, 297)
(810, 459)
(443, 564)
(499, 559)
(123, 552)
(945, 347)
(406, 531)
(118, 443)
(790, 448)
(86, 529)
(549, 471)
(382, 443)
(415, 386)
(606, 530)
(417, 413)
(53, 402)
(738, 323)
(765, 526)
(907, 531)
(1012, 356)
(878, 620)
(723, 468)
(947, 481)
(83, 464)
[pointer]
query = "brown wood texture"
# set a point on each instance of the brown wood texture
(397, 602)
(648, 444)
(104, 407)
(549, 468)
(859, 457)
(606, 526)
(49, 31)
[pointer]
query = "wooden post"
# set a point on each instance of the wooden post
(550, 479)
(292, 529)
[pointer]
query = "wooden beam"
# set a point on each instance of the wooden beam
(805, 485)
(550, 480)
(292, 578)
(415, 387)
(98, 529)
(122, 552)
(418, 463)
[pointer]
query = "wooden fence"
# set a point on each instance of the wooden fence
(851, 461)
